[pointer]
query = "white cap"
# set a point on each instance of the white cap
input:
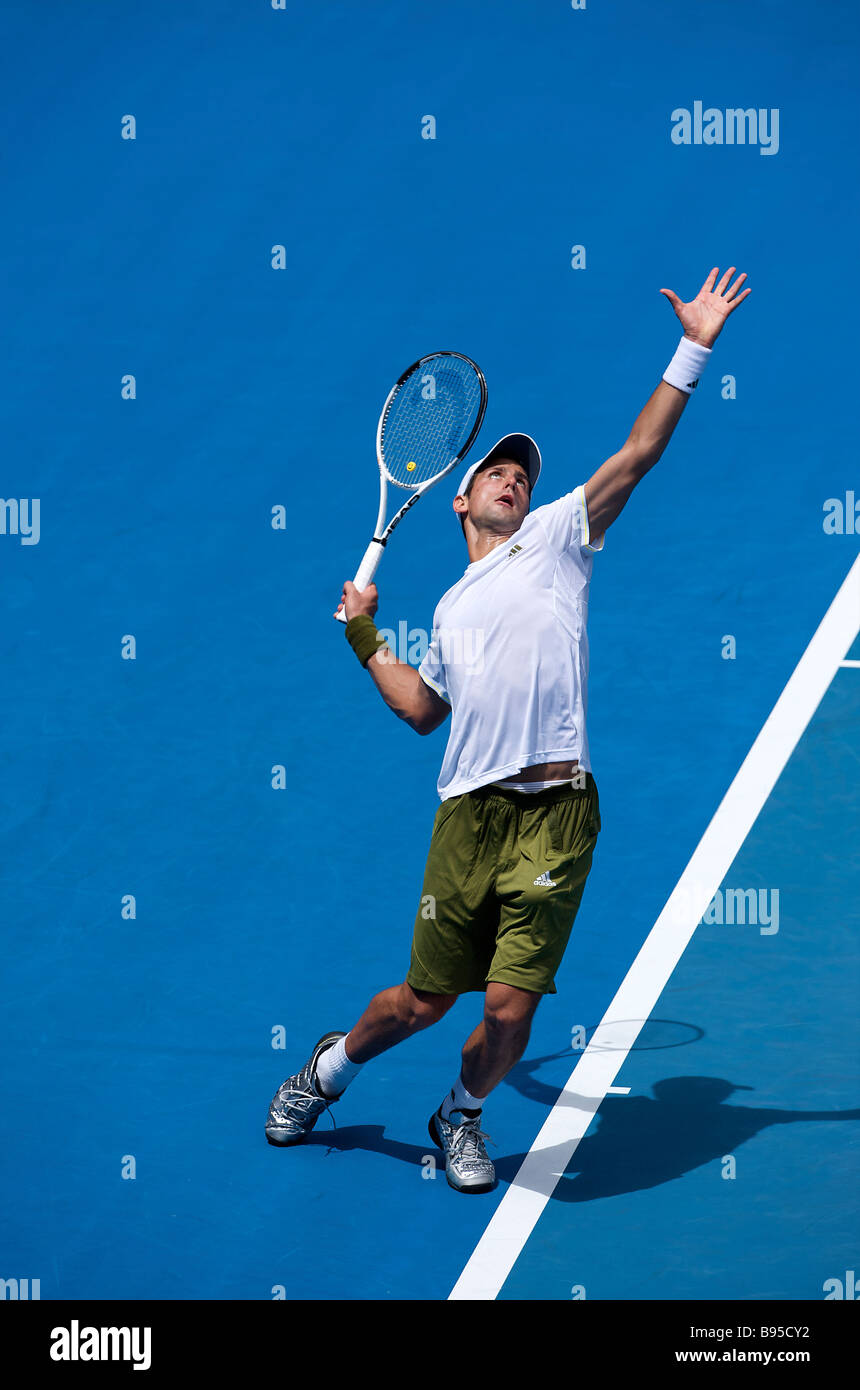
(519, 447)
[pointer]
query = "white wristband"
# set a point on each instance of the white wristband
(687, 365)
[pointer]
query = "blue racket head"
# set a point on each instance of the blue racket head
(431, 418)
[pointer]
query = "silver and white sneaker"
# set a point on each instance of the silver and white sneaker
(298, 1104)
(467, 1166)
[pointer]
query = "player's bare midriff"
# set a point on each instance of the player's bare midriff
(544, 772)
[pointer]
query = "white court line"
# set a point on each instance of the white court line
(517, 1214)
(849, 663)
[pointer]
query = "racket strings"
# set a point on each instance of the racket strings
(429, 420)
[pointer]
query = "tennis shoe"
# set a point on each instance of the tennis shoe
(467, 1165)
(299, 1102)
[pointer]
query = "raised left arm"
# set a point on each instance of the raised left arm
(702, 319)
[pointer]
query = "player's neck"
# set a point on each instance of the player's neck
(479, 543)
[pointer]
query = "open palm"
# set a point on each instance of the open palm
(704, 316)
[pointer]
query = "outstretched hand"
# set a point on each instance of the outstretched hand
(703, 318)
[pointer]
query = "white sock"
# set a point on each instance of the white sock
(335, 1070)
(458, 1098)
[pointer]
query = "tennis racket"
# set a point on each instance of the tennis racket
(428, 424)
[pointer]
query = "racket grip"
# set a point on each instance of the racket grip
(366, 571)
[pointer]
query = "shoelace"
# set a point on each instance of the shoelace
(303, 1099)
(466, 1143)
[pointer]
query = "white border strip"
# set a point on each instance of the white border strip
(517, 1214)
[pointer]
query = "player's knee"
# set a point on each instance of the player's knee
(421, 1008)
(507, 1019)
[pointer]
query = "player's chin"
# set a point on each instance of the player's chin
(506, 509)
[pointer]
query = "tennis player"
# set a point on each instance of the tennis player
(514, 836)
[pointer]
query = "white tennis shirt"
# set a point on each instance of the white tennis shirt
(509, 651)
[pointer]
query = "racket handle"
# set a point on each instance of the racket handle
(366, 571)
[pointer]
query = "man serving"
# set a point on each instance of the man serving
(514, 836)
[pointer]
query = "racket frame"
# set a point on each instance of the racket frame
(373, 554)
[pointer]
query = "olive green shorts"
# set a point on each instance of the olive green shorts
(504, 879)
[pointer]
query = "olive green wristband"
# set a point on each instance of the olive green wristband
(362, 636)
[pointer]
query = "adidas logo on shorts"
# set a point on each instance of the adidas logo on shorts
(544, 882)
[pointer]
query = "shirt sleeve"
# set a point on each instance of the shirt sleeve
(432, 668)
(565, 523)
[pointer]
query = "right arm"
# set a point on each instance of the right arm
(398, 683)
(404, 691)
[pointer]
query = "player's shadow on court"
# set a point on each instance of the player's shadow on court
(371, 1138)
(642, 1142)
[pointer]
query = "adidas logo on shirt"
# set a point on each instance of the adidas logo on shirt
(544, 882)
(514, 550)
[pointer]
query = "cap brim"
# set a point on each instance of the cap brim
(519, 447)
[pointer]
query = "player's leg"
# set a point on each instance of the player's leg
(545, 847)
(451, 943)
(391, 1016)
(499, 1040)
(444, 963)
(495, 1046)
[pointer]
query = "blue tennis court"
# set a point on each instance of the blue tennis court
(226, 233)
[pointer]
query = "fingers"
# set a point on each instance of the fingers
(360, 600)
(725, 280)
(709, 283)
(736, 286)
(672, 298)
(721, 287)
(741, 297)
(729, 296)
